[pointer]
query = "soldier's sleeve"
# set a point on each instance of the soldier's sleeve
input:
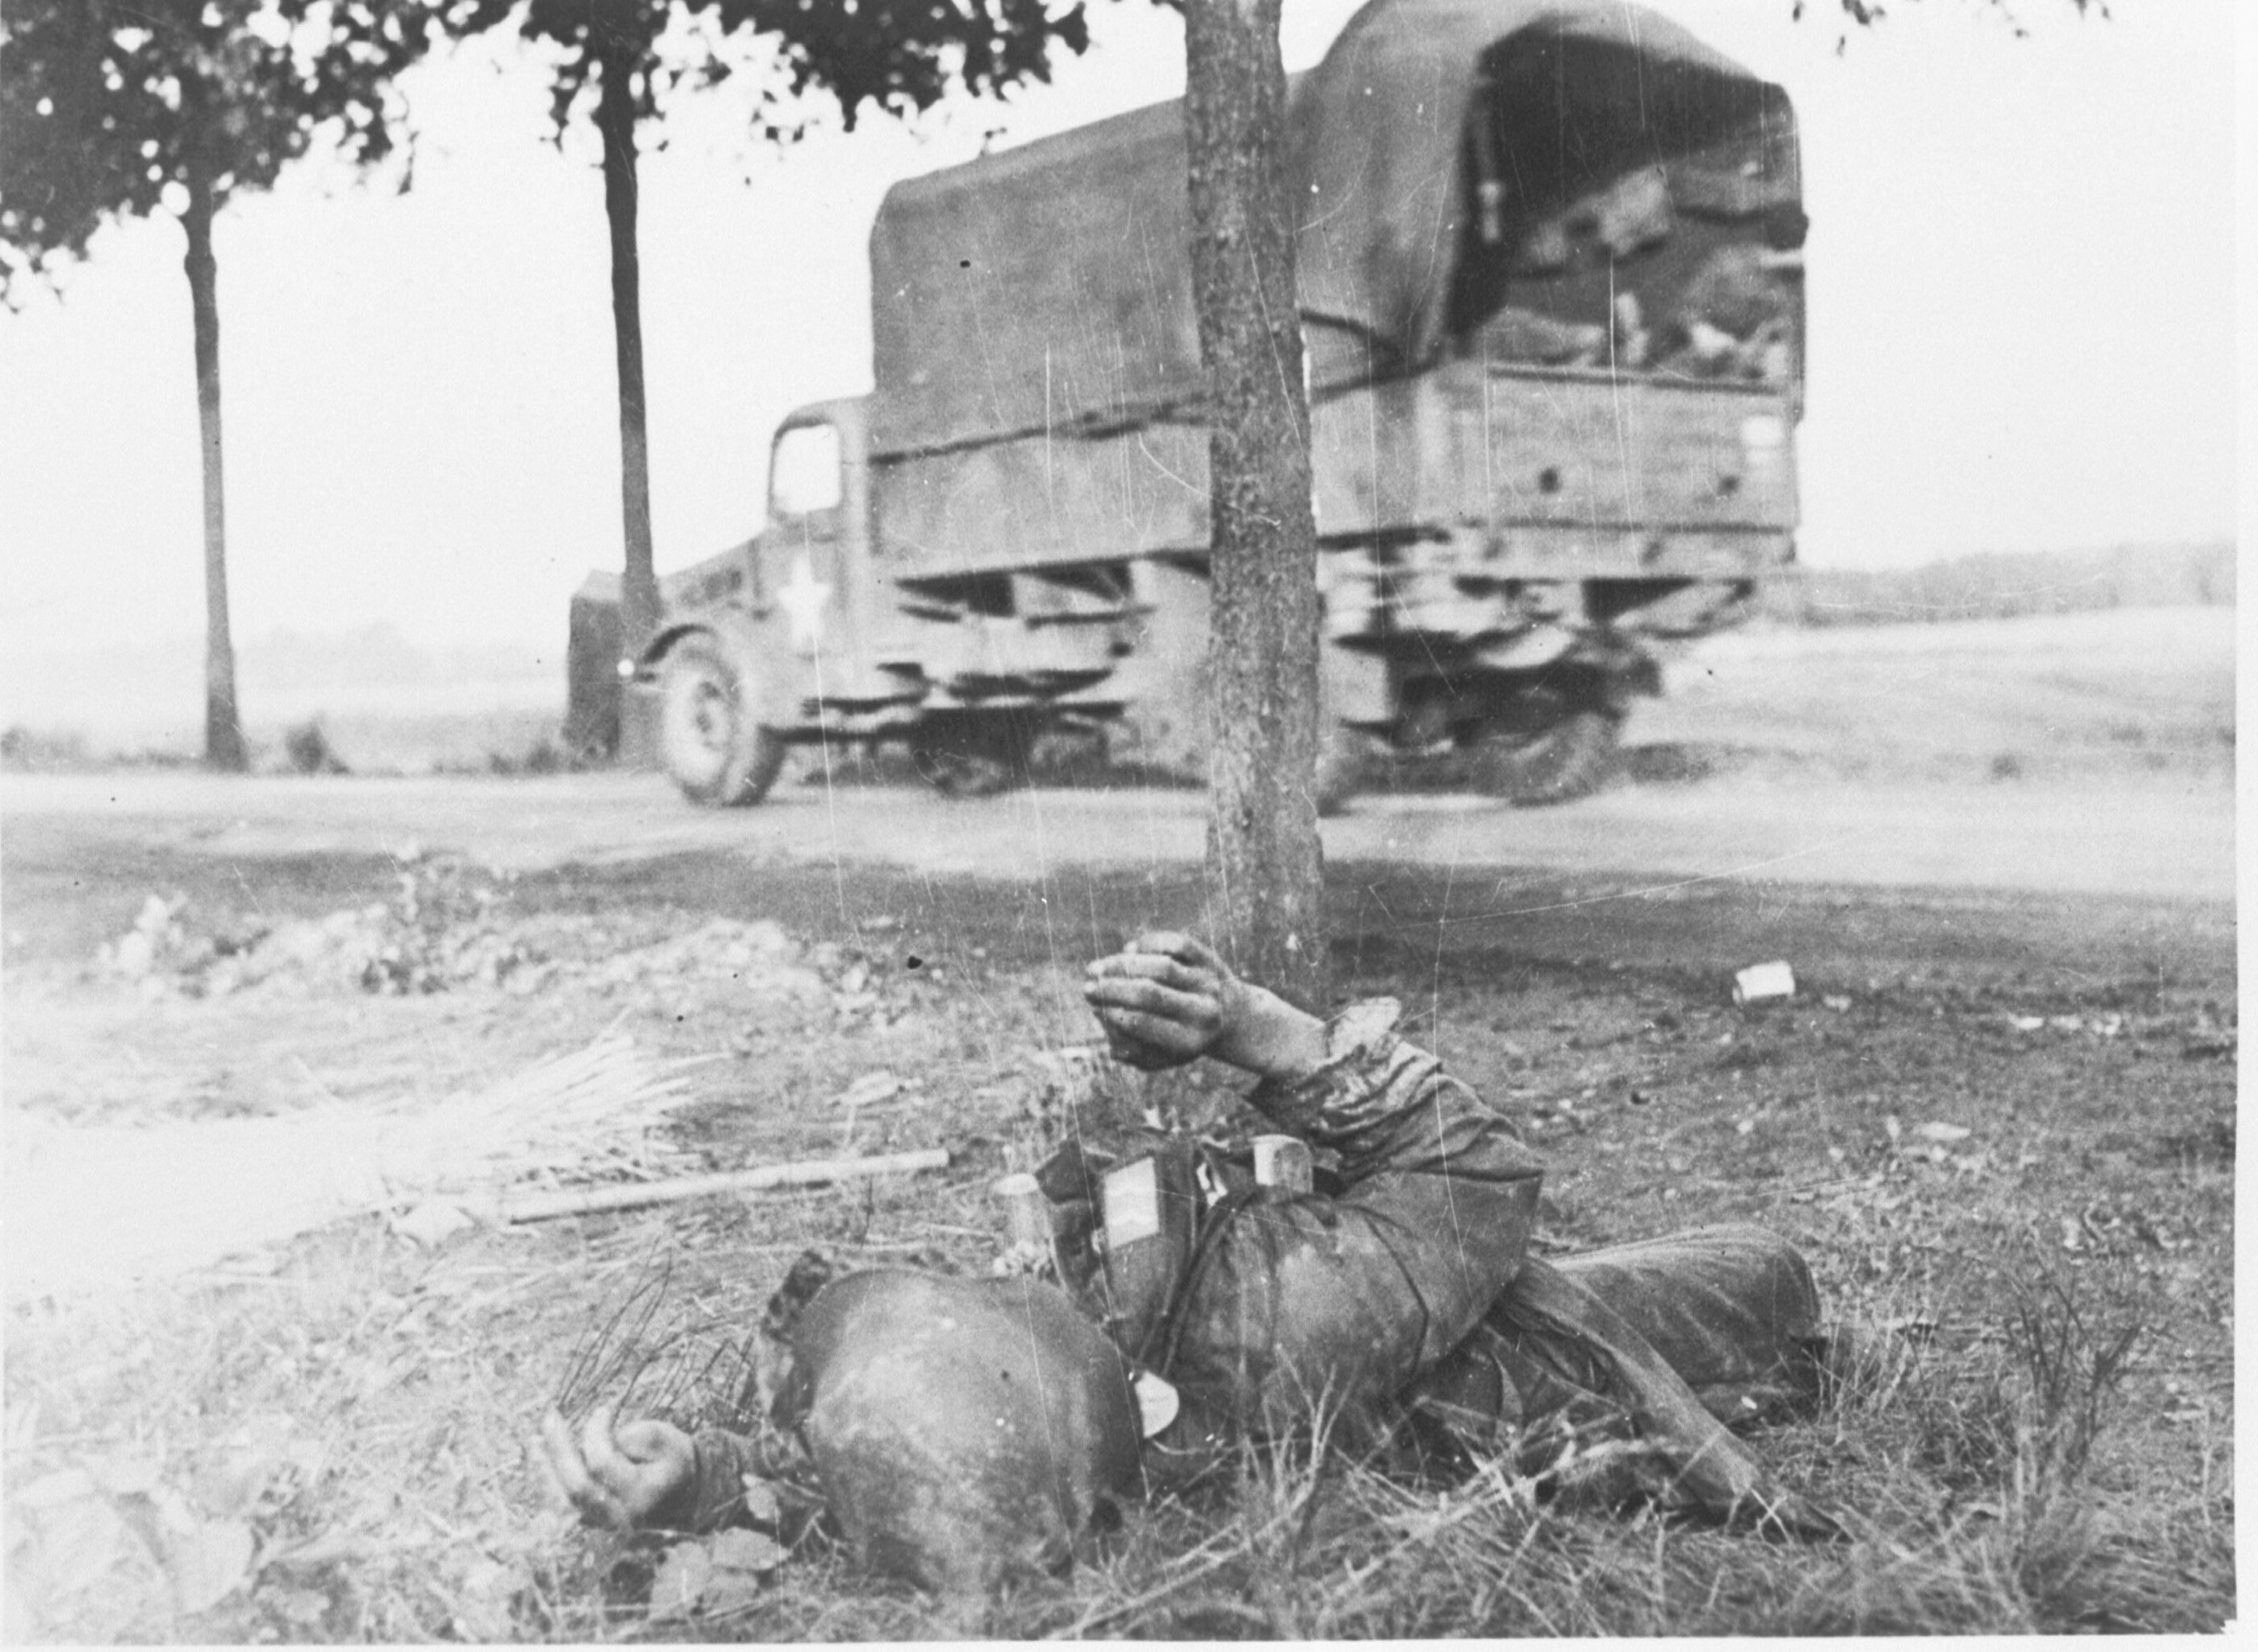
(1318, 1301)
(714, 1495)
(1389, 1109)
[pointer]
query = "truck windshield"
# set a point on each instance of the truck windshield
(804, 475)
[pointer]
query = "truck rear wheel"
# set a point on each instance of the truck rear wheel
(971, 757)
(714, 747)
(1544, 746)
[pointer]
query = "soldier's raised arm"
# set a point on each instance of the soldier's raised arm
(1315, 1299)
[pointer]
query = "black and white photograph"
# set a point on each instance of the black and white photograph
(890, 820)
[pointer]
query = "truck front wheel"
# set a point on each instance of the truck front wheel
(713, 744)
(1543, 744)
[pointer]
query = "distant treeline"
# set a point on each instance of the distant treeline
(2004, 586)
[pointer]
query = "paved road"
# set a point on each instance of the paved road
(2169, 840)
(2075, 885)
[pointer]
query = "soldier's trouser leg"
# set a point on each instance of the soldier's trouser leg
(1656, 1341)
(1732, 1310)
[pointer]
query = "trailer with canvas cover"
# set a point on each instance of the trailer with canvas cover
(1551, 288)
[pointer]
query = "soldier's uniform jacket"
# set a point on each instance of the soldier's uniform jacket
(1407, 1298)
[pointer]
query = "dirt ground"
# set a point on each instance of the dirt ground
(1998, 1114)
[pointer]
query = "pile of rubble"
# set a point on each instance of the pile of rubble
(757, 955)
(447, 927)
(438, 930)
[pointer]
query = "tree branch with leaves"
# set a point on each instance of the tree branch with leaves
(110, 112)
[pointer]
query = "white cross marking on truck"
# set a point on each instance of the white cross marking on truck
(802, 597)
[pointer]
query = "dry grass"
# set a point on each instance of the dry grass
(2035, 1437)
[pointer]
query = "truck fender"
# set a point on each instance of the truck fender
(757, 644)
(1538, 646)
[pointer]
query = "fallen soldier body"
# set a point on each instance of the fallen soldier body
(962, 1430)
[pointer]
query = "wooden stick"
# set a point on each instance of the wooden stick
(536, 1207)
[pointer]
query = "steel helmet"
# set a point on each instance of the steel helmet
(964, 1431)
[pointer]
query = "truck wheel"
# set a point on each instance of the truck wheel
(1543, 749)
(714, 749)
(970, 758)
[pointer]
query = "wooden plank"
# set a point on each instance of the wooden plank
(542, 1205)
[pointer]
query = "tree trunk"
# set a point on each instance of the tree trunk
(1265, 867)
(615, 120)
(222, 726)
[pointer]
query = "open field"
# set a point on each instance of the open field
(1998, 1115)
(2101, 698)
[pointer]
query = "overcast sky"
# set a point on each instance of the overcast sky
(2022, 313)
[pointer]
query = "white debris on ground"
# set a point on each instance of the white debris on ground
(2101, 1026)
(1759, 983)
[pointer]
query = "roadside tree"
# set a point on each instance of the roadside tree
(110, 111)
(1865, 13)
(1264, 866)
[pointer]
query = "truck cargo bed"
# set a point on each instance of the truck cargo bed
(1575, 474)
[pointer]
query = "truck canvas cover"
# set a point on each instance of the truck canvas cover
(1449, 163)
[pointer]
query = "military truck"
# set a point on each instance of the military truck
(1550, 267)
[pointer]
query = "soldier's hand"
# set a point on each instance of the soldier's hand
(1164, 999)
(621, 1478)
